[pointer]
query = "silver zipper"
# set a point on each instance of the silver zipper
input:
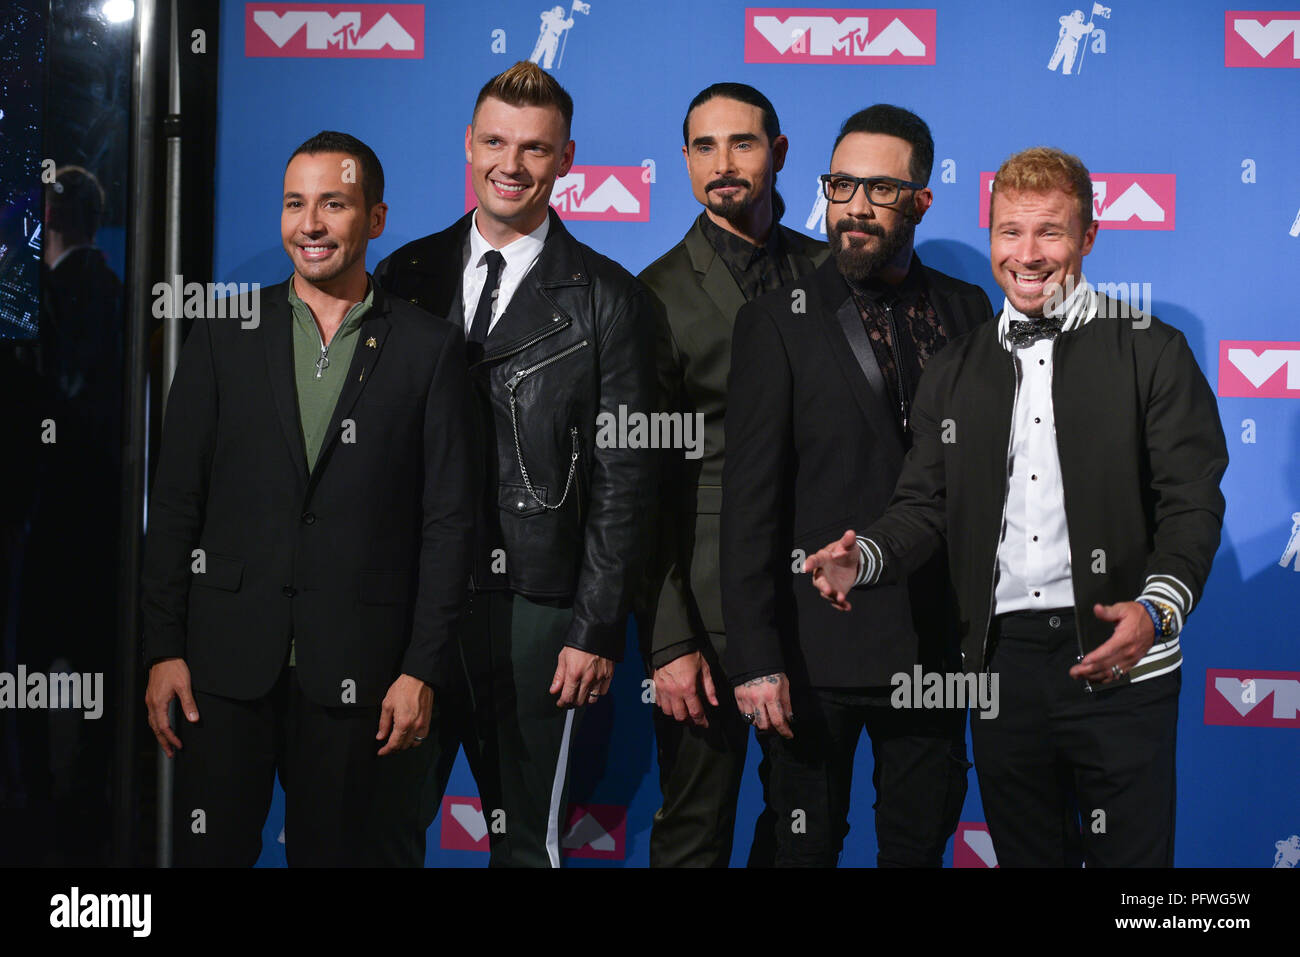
(1011, 433)
(513, 383)
(522, 344)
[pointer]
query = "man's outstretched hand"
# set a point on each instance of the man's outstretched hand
(835, 569)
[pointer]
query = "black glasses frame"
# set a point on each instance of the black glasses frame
(866, 181)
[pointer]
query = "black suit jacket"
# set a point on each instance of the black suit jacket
(696, 299)
(813, 449)
(364, 562)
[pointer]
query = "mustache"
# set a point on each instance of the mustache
(858, 226)
(728, 181)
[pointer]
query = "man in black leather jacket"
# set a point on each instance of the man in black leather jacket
(560, 343)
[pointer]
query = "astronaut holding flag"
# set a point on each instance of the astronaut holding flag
(554, 23)
(1072, 30)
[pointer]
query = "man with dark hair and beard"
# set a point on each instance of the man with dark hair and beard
(823, 372)
(735, 250)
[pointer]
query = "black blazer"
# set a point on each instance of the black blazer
(813, 449)
(364, 562)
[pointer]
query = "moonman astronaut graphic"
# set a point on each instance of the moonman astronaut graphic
(1067, 43)
(1288, 852)
(1292, 551)
(554, 22)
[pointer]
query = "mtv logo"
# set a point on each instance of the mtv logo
(597, 831)
(332, 30)
(1265, 38)
(1119, 200)
(1269, 370)
(972, 846)
(608, 193)
(793, 35)
(1256, 699)
(464, 828)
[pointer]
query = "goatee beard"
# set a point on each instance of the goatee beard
(857, 262)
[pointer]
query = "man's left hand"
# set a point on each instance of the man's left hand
(580, 677)
(405, 715)
(1132, 638)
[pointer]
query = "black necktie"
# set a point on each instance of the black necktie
(478, 330)
(1024, 333)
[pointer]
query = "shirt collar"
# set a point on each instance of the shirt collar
(518, 254)
(1078, 309)
(354, 315)
(737, 249)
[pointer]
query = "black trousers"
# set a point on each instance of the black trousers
(919, 775)
(518, 744)
(327, 759)
(1068, 775)
(700, 771)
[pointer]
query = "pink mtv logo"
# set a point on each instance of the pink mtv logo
(618, 194)
(1119, 200)
(1254, 699)
(595, 830)
(794, 35)
(464, 827)
(1269, 370)
(1261, 38)
(973, 847)
(390, 30)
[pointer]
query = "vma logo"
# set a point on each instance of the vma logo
(597, 831)
(610, 193)
(1119, 200)
(787, 35)
(1261, 38)
(391, 30)
(972, 846)
(1269, 370)
(1254, 699)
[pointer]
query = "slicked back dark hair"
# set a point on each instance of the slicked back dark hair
(372, 173)
(896, 121)
(742, 93)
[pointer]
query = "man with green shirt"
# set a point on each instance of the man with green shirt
(309, 539)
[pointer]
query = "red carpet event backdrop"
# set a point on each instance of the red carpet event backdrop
(1187, 113)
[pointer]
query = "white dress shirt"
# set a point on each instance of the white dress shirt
(519, 258)
(1034, 553)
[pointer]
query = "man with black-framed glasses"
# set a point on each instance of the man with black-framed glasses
(829, 364)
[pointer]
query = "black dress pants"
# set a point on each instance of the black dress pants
(1069, 775)
(919, 774)
(700, 771)
(327, 759)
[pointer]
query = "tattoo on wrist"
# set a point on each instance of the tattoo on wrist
(769, 679)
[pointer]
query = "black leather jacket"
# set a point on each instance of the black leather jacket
(567, 519)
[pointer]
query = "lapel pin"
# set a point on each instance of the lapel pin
(370, 343)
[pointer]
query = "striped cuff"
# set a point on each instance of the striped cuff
(1168, 590)
(871, 562)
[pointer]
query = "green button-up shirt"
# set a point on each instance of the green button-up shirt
(320, 382)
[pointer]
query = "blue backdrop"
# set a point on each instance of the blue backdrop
(1187, 112)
